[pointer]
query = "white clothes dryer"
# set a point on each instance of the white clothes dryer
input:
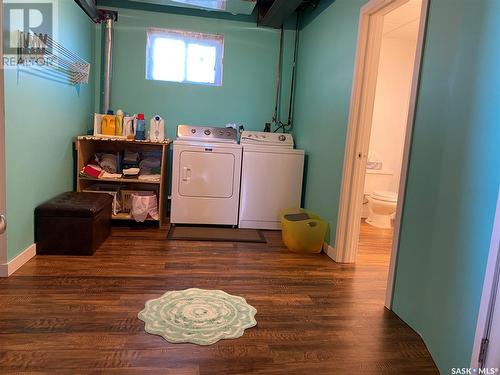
(206, 176)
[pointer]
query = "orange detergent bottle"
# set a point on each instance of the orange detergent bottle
(108, 124)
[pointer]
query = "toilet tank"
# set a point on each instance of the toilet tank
(379, 180)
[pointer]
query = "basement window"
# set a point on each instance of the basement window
(183, 56)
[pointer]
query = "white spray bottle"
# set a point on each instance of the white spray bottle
(157, 129)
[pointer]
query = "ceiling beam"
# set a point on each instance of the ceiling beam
(278, 12)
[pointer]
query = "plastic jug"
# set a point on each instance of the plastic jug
(128, 126)
(140, 127)
(119, 123)
(157, 129)
(108, 124)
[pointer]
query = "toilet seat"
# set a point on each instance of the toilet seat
(386, 196)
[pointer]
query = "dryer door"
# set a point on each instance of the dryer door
(206, 173)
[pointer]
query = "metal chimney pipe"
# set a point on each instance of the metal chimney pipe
(108, 63)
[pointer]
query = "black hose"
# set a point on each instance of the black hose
(292, 89)
(278, 79)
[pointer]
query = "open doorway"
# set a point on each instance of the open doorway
(382, 109)
(390, 113)
(384, 163)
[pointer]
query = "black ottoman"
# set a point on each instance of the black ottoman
(73, 223)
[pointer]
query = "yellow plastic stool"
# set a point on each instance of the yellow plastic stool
(302, 230)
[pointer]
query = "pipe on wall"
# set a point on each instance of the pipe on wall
(108, 63)
(278, 79)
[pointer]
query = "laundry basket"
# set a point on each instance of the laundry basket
(302, 230)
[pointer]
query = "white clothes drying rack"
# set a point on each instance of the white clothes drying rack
(41, 51)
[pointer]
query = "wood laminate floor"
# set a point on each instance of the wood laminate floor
(78, 315)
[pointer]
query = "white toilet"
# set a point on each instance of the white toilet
(382, 205)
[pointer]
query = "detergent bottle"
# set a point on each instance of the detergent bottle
(140, 127)
(108, 124)
(128, 126)
(119, 123)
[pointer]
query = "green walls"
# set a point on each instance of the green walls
(453, 181)
(325, 67)
(246, 97)
(454, 171)
(42, 116)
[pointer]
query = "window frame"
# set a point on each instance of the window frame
(188, 37)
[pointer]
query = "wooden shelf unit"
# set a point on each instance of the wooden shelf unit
(121, 180)
(87, 146)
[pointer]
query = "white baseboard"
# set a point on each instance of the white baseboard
(9, 268)
(330, 251)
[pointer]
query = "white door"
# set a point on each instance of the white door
(3, 242)
(486, 350)
(489, 352)
(492, 358)
(206, 174)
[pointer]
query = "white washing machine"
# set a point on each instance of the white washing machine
(206, 176)
(271, 178)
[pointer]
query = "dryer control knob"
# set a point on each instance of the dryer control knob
(282, 138)
(193, 131)
(207, 132)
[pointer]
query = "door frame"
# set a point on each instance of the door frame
(359, 127)
(490, 285)
(3, 237)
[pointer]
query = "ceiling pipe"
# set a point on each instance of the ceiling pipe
(286, 127)
(278, 80)
(108, 24)
(294, 71)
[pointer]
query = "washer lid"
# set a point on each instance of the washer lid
(384, 195)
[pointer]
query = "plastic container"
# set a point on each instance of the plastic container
(128, 126)
(108, 124)
(127, 197)
(119, 123)
(144, 206)
(140, 127)
(157, 129)
(302, 230)
(106, 190)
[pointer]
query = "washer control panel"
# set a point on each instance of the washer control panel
(266, 139)
(205, 133)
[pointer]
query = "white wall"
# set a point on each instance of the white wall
(391, 110)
